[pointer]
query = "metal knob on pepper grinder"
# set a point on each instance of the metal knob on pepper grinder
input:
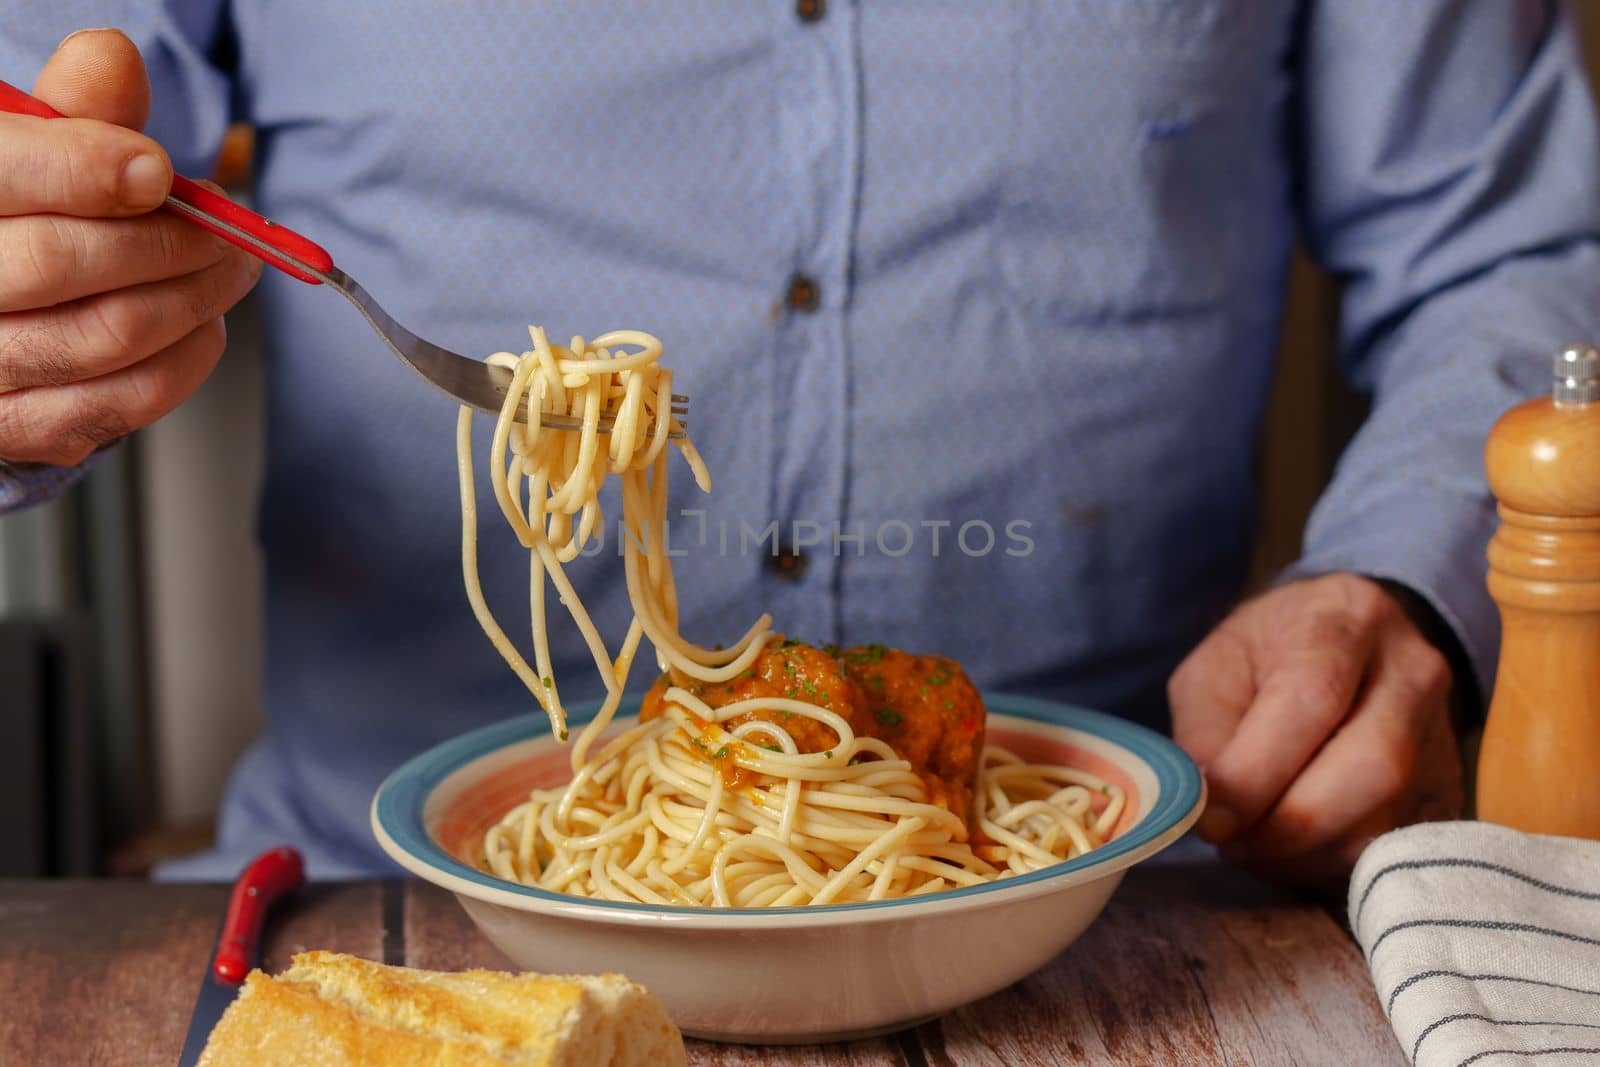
(1539, 764)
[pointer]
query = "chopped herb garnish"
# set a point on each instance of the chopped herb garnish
(949, 704)
(771, 746)
(1106, 789)
(548, 681)
(809, 686)
(828, 754)
(855, 760)
(866, 654)
(875, 680)
(789, 642)
(832, 650)
(938, 676)
(748, 674)
(791, 692)
(698, 742)
(787, 714)
(888, 716)
(720, 753)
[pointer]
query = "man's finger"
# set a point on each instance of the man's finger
(88, 164)
(100, 334)
(97, 74)
(79, 167)
(1210, 692)
(50, 259)
(62, 424)
(1366, 766)
(1305, 691)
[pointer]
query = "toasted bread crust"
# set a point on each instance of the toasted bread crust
(329, 1009)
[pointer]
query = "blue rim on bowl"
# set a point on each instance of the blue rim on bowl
(398, 822)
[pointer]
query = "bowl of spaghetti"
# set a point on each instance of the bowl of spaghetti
(791, 973)
(857, 825)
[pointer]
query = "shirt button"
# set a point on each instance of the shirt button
(804, 295)
(787, 563)
(811, 10)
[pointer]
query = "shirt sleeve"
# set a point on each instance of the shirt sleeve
(24, 484)
(1447, 157)
(186, 46)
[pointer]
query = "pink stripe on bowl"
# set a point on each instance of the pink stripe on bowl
(461, 826)
(1036, 749)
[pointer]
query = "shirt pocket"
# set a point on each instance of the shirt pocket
(1130, 160)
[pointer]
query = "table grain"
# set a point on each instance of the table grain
(1188, 965)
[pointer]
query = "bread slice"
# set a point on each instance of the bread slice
(330, 1010)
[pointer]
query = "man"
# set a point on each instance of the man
(920, 265)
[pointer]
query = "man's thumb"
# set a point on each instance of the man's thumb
(97, 74)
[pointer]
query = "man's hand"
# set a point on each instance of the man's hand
(110, 312)
(1322, 718)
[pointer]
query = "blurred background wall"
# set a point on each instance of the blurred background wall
(130, 611)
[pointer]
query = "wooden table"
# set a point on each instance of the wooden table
(1189, 966)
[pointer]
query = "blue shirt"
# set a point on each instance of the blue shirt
(1047, 242)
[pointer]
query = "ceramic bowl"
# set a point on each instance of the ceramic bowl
(785, 975)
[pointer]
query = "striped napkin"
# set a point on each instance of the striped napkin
(1484, 943)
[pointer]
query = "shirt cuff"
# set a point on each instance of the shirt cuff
(23, 485)
(1432, 545)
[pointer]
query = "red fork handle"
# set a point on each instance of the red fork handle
(277, 246)
(269, 876)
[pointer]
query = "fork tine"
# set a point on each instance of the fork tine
(605, 424)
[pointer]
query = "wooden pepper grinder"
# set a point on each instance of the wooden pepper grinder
(1539, 764)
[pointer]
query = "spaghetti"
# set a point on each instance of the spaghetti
(713, 805)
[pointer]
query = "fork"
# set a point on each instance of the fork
(468, 381)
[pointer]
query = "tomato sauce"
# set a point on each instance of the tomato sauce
(924, 707)
(928, 711)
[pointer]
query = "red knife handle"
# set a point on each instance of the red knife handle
(277, 246)
(269, 876)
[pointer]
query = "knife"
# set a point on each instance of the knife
(268, 877)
